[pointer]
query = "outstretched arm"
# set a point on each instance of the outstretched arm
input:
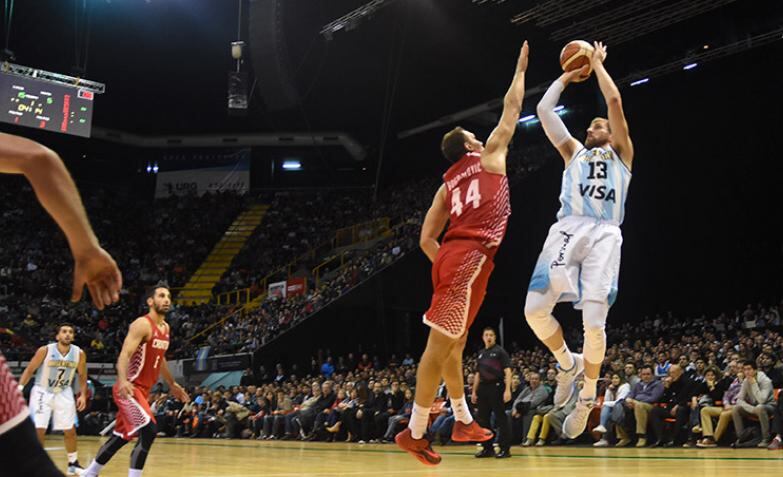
(57, 193)
(81, 403)
(553, 126)
(493, 158)
(434, 222)
(621, 140)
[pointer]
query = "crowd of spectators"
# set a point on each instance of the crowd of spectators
(151, 240)
(666, 382)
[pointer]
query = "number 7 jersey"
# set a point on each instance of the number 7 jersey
(478, 201)
(144, 366)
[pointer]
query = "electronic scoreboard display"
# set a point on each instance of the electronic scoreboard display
(43, 105)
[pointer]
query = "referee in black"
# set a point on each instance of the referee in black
(491, 389)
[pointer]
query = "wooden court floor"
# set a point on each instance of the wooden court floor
(240, 458)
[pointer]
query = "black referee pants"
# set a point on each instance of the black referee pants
(490, 399)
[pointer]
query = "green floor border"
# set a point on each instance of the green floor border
(392, 450)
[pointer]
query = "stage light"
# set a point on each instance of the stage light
(292, 165)
(559, 108)
(690, 66)
(641, 81)
(527, 118)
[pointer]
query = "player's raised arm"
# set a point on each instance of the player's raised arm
(139, 331)
(57, 193)
(553, 126)
(493, 158)
(434, 221)
(32, 367)
(621, 139)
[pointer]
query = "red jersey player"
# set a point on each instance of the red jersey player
(141, 361)
(55, 190)
(474, 200)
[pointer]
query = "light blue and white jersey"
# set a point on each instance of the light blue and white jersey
(57, 371)
(595, 184)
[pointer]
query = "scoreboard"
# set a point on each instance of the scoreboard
(44, 105)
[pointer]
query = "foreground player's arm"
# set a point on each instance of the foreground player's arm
(57, 193)
(32, 367)
(621, 140)
(493, 159)
(433, 225)
(139, 332)
(81, 402)
(175, 389)
(553, 126)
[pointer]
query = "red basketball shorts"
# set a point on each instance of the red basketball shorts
(133, 412)
(459, 280)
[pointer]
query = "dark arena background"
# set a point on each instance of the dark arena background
(273, 161)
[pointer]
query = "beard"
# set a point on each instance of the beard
(160, 310)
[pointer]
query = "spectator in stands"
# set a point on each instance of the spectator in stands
(401, 418)
(322, 405)
(630, 375)
(720, 408)
(553, 419)
(640, 402)
(755, 399)
(526, 406)
(327, 368)
(675, 403)
(612, 410)
(662, 366)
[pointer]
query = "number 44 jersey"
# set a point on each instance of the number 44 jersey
(478, 201)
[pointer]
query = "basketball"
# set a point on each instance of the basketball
(575, 55)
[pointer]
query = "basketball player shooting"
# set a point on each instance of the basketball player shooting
(140, 364)
(474, 200)
(52, 396)
(93, 267)
(580, 261)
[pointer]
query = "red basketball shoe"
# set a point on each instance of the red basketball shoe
(418, 448)
(470, 432)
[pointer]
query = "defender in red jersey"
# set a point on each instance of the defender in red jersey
(140, 364)
(474, 201)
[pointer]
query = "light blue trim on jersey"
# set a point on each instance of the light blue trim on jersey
(618, 178)
(57, 378)
(540, 279)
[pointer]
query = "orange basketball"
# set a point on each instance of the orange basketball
(575, 55)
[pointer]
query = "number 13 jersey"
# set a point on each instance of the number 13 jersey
(595, 184)
(478, 201)
(144, 367)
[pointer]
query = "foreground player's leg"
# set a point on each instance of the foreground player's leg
(465, 429)
(538, 312)
(594, 317)
(428, 378)
(20, 450)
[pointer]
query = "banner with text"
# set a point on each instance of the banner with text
(226, 172)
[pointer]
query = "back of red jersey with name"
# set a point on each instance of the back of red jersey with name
(478, 202)
(144, 366)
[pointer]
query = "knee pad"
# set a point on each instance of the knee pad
(594, 318)
(538, 313)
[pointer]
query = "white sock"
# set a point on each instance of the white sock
(134, 472)
(588, 390)
(461, 410)
(420, 417)
(564, 357)
(73, 457)
(93, 470)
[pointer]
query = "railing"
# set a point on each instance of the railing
(343, 237)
